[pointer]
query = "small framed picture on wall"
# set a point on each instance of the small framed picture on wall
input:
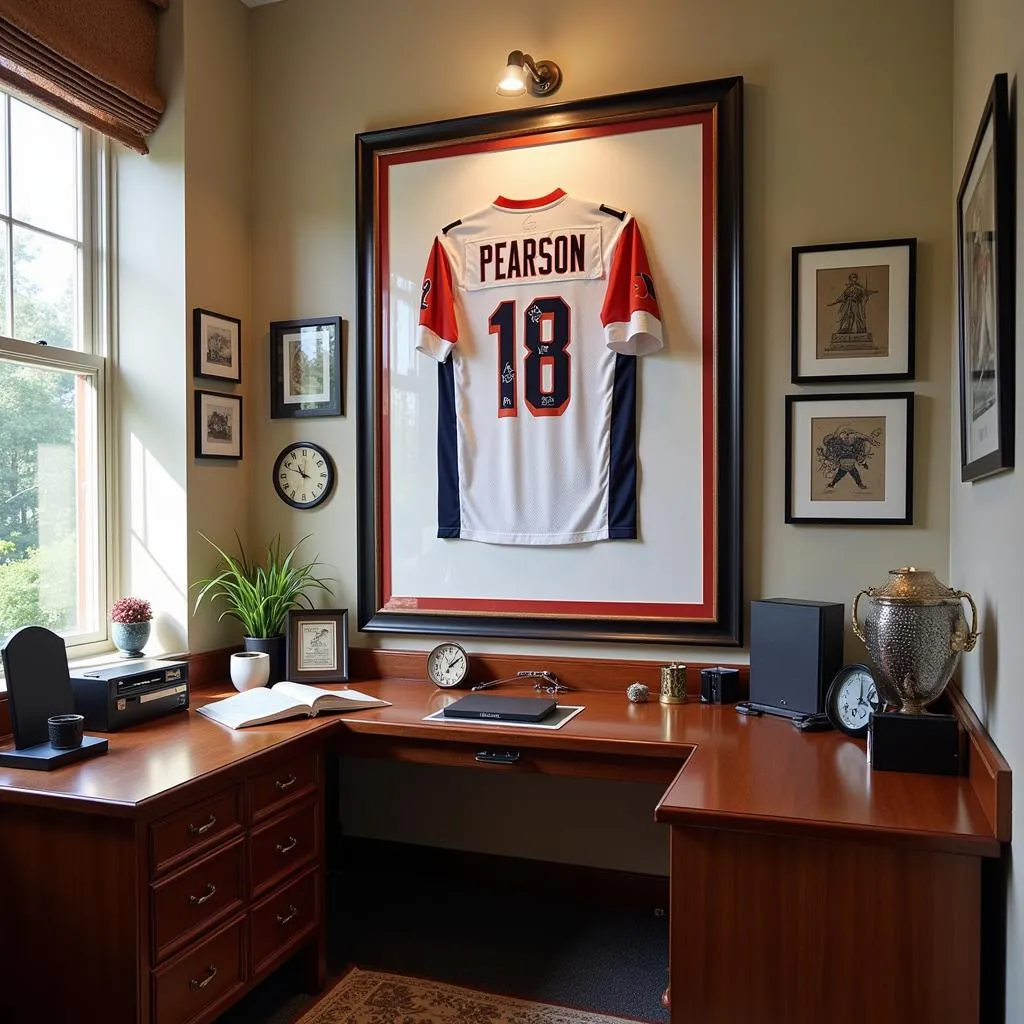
(216, 346)
(853, 311)
(305, 368)
(850, 459)
(218, 425)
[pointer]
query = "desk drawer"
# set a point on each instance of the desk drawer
(284, 919)
(180, 836)
(189, 901)
(192, 984)
(283, 845)
(283, 784)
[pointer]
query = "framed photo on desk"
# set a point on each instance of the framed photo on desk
(667, 163)
(317, 644)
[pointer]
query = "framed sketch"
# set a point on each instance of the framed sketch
(565, 184)
(218, 425)
(853, 311)
(850, 459)
(305, 367)
(216, 345)
(985, 280)
(317, 645)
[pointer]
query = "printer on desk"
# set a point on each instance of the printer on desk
(114, 697)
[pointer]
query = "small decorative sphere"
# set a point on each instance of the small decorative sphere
(637, 692)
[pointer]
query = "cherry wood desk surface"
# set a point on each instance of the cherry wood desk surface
(757, 774)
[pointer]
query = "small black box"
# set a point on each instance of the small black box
(118, 696)
(898, 742)
(719, 685)
(796, 648)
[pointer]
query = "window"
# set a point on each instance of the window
(53, 376)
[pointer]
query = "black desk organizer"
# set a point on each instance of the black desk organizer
(35, 664)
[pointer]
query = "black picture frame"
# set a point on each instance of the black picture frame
(715, 104)
(317, 645)
(228, 412)
(820, 458)
(216, 346)
(291, 339)
(985, 286)
(839, 275)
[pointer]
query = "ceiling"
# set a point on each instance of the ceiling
(259, 3)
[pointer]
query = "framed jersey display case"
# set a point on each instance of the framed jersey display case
(549, 366)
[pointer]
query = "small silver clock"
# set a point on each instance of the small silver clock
(447, 665)
(851, 699)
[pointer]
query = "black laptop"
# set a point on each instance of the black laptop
(492, 708)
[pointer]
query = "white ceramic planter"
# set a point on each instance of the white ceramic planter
(249, 669)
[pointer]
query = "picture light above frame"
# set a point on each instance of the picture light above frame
(670, 157)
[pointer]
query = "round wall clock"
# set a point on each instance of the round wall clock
(447, 665)
(303, 474)
(851, 699)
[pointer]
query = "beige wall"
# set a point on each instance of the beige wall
(986, 555)
(837, 149)
(832, 153)
(183, 240)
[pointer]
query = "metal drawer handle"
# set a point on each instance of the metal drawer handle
(498, 756)
(199, 900)
(198, 830)
(198, 983)
(283, 784)
(285, 918)
(289, 846)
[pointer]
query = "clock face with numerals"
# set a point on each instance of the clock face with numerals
(851, 699)
(303, 474)
(447, 665)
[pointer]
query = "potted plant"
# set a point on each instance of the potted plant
(261, 595)
(130, 619)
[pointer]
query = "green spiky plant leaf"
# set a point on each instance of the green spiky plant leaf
(258, 595)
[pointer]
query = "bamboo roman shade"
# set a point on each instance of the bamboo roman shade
(93, 60)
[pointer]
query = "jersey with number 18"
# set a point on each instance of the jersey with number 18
(535, 311)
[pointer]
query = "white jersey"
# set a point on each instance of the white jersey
(536, 311)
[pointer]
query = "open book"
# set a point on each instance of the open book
(284, 700)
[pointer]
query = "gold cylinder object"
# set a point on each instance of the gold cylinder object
(673, 684)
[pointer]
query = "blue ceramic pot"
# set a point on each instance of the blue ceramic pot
(130, 637)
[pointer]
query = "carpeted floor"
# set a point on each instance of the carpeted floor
(371, 997)
(548, 950)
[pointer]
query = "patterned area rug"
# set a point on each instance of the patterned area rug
(373, 997)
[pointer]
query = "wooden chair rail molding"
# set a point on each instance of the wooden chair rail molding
(609, 674)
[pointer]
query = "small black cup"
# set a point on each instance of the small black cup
(66, 731)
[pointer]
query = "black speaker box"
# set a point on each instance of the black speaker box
(796, 647)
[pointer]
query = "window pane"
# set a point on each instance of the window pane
(5, 285)
(46, 297)
(44, 170)
(48, 523)
(3, 154)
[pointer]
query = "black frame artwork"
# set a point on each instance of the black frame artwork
(985, 284)
(853, 301)
(202, 366)
(328, 400)
(845, 456)
(703, 118)
(203, 448)
(338, 619)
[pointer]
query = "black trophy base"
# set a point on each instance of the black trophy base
(926, 743)
(44, 758)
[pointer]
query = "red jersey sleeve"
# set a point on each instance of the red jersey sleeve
(630, 315)
(438, 328)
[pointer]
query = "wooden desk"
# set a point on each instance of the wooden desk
(790, 860)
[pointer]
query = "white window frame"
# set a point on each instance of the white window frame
(96, 329)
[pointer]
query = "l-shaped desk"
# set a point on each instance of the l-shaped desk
(159, 882)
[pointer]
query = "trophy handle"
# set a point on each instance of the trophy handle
(856, 624)
(959, 642)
